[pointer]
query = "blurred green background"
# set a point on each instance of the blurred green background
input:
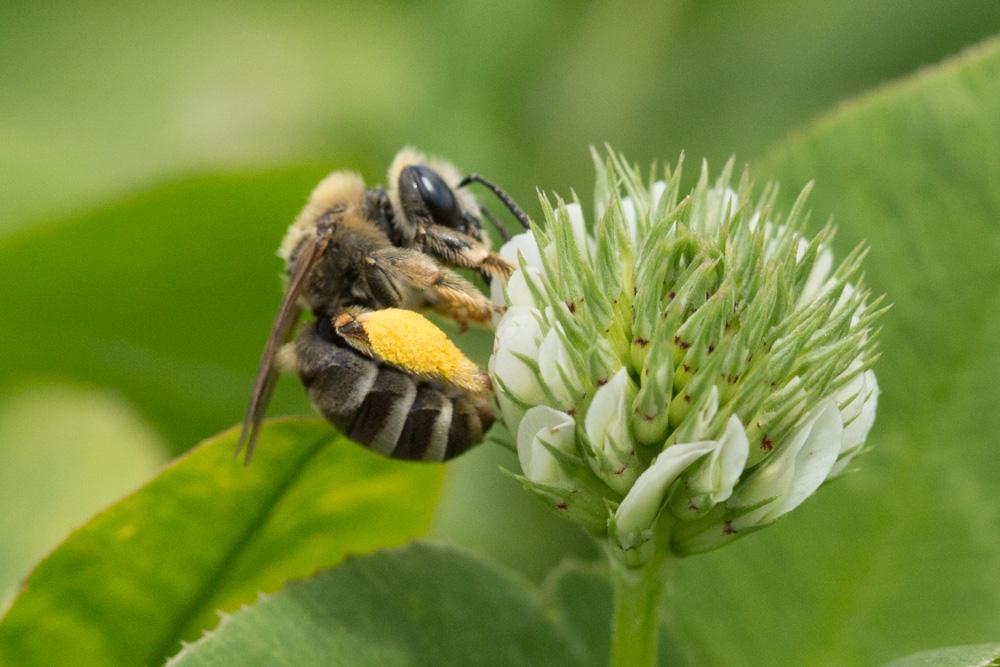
(153, 153)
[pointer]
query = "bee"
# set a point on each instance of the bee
(364, 261)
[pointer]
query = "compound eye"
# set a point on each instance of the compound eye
(423, 183)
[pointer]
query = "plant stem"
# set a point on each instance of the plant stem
(638, 594)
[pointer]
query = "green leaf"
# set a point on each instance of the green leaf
(167, 297)
(427, 603)
(424, 604)
(905, 553)
(209, 533)
(580, 593)
(48, 488)
(978, 655)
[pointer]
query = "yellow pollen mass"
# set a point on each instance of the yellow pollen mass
(409, 340)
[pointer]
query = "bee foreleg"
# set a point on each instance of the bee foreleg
(457, 249)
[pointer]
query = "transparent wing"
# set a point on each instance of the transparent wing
(281, 330)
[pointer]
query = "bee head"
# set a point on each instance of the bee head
(425, 196)
(425, 191)
(428, 191)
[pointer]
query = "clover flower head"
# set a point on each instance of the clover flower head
(687, 370)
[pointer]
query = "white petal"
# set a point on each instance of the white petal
(511, 315)
(816, 283)
(722, 204)
(496, 294)
(526, 244)
(800, 249)
(540, 425)
(640, 506)
(517, 286)
(796, 471)
(769, 483)
(600, 206)
(628, 209)
(847, 294)
(858, 417)
(518, 334)
(705, 415)
(717, 476)
(557, 369)
(579, 227)
(607, 402)
(606, 425)
(852, 396)
(656, 193)
(774, 478)
(518, 292)
(511, 412)
(730, 202)
(814, 460)
(857, 431)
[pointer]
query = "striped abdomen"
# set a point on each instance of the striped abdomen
(386, 409)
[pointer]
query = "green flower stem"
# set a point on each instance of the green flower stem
(638, 594)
